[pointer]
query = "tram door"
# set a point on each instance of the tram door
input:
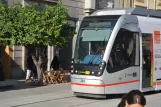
(146, 60)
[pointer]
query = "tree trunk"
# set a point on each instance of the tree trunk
(39, 74)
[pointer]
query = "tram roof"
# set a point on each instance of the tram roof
(133, 11)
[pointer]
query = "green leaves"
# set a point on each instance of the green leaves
(31, 25)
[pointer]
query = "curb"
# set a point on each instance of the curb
(7, 84)
(6, 87)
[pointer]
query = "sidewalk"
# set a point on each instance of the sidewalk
(8, 83)
(21, 84)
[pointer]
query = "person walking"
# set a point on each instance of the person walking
(134, 98)
(123, 102)
(43, 65)
(55, 63)
(29, 65)
(1, 72)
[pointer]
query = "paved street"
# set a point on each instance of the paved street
(60, 95)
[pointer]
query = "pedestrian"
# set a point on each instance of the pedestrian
(55, 63)
(1, 72)
(134, 98)
(34, 71)
(123, 102)
(43, 65)
(34, 68)
(29, 65)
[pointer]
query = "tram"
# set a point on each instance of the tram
(116, 51)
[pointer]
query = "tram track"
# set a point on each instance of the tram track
(92, 102)
(72, 101)
(60, 96)
(63, 98)
(43, 101)
(80, 101)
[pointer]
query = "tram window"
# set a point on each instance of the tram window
(123, 51)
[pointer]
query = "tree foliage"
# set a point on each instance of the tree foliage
(31, 25)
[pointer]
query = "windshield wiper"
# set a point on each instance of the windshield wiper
(90, 62)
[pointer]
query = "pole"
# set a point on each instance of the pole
(154, 4)
(23, 3)
(147, 4)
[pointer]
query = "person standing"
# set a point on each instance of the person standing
(55, 63)
(1, 72)
(29, 65)
(43, 65)
(134, 98)
(123, 102)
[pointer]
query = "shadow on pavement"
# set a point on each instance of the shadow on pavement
(118, 96)
(109, 96)
(21, 84)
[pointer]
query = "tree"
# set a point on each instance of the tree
(31, 25)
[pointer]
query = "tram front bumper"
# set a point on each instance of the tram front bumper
(87, 86)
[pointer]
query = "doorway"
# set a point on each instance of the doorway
(146, 60)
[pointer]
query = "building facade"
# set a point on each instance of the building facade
(149, 4)
(77, 9)
(18, 53)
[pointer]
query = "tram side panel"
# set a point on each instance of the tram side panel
(122, 81)
(156, 63)
(123, 68)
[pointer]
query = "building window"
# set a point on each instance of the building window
(101, 4)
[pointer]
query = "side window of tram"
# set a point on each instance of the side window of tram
(123, 51)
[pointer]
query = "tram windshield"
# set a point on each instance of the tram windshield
(92, 39)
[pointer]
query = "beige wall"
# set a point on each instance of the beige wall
(17, 70)
(150, 4)
(158, 4)
(75, 11)
(140, 3)
(126, 3)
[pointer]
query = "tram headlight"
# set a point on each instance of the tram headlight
(101, 68)
(99, 73)
(102, 65)
(76, 71)
(72, 71)
(92, 72)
